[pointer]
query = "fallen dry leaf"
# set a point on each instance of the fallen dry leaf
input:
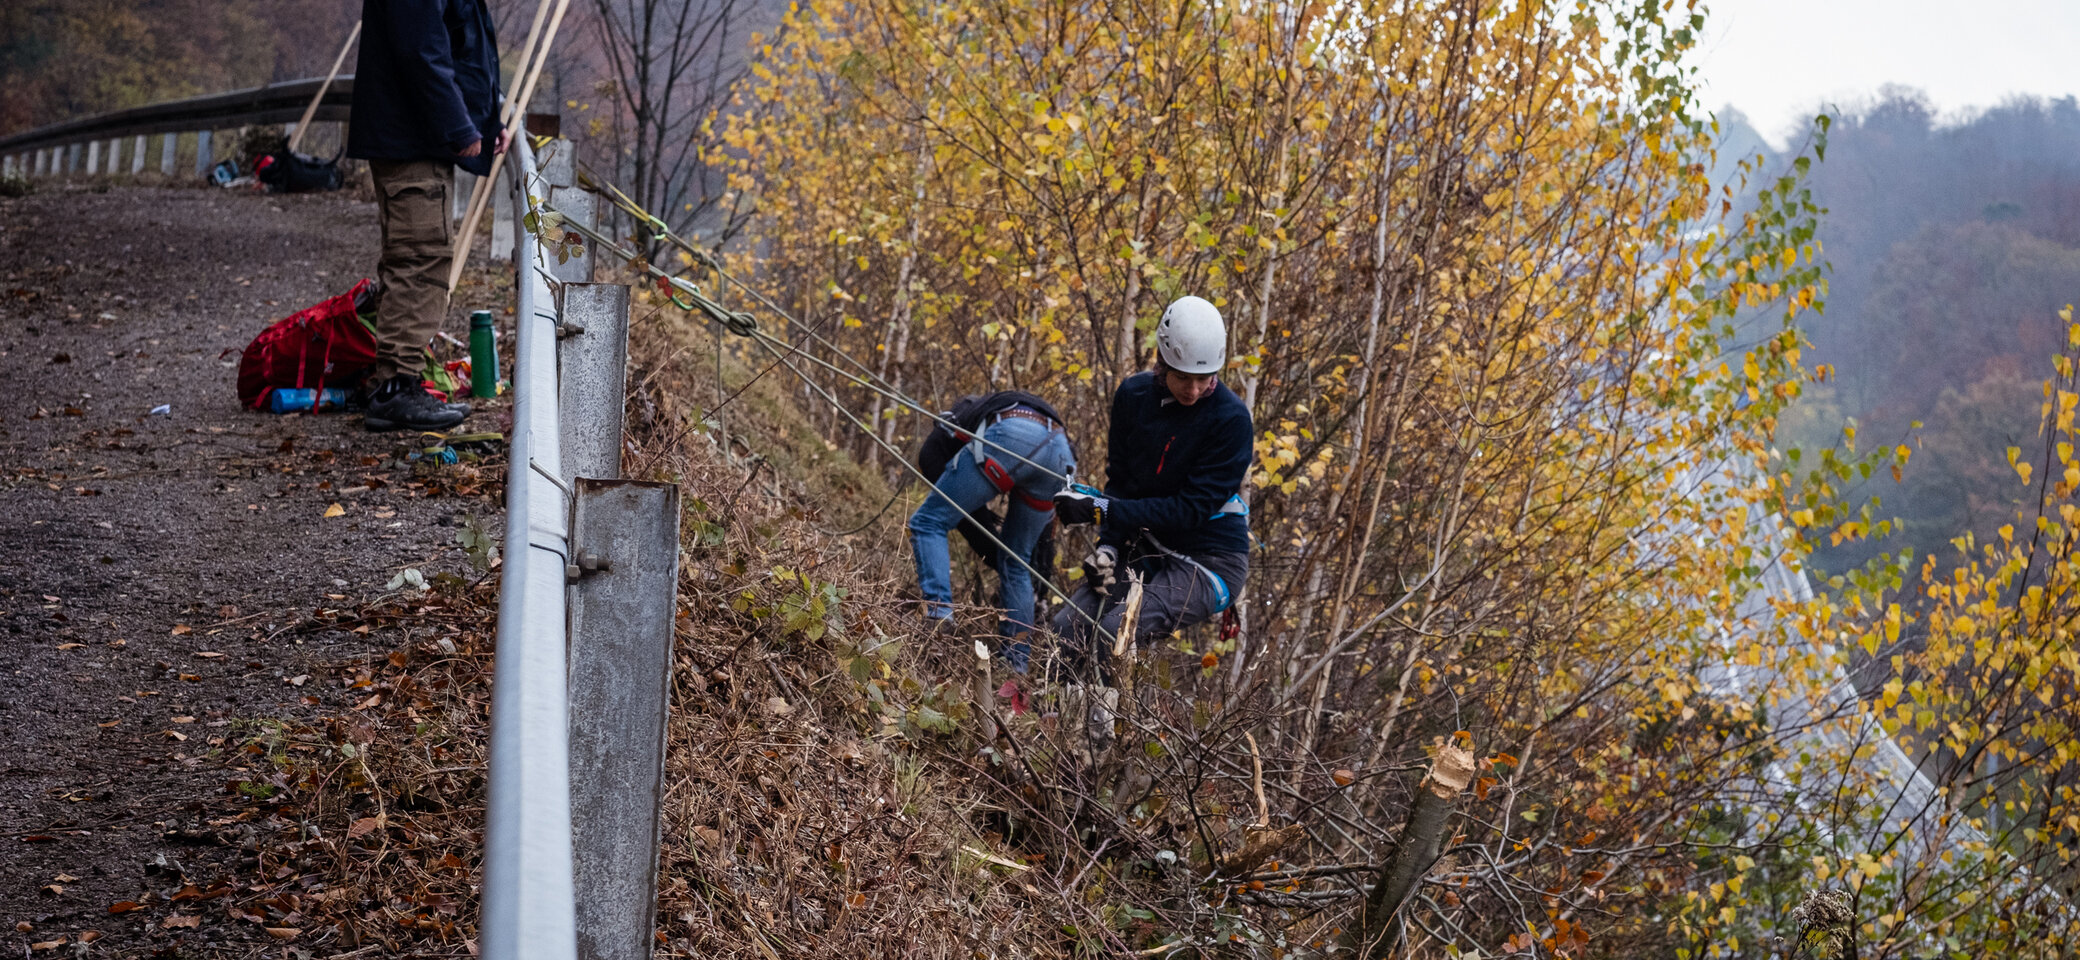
(177, 920)
(283, 933)
(181, 630)
(70, 646)
(208, 654)
(298, 680)
(53, 889)
(124, 906)
(364, 827)
(335, 511)
(89, 936)
(778, 707)
(47, 945)
(66, 878)
(184, 719)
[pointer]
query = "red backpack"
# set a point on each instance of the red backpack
(327, 345)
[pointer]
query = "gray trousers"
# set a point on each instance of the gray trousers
(1174, 595)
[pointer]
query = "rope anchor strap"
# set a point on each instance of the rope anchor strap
(683, 293)
(738, 322)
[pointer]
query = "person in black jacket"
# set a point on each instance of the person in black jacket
(425, 101)
(1179, 446)
(1022, 452)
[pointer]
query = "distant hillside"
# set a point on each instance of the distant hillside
(1953, 248)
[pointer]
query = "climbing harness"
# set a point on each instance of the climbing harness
(1220, 587)
(1001, 478)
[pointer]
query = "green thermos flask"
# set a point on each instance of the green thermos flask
(483, 355)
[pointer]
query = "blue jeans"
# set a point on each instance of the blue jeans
(963, 485)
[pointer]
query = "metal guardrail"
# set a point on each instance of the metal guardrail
(61, 148)
(585, 620)
(528, 892)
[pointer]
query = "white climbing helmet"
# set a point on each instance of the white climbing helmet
(1191, 338)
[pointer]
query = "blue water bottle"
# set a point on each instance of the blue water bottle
(293, 399)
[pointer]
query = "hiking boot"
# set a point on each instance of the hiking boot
(402, 403)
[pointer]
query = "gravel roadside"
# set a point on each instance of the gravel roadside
(158, 569)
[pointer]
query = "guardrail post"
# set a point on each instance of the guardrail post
(167, 142)
(115, 156)
(137, 156)
(93, 157)
(72, 152)
(592, 365)
(458, 199)
(574, 203)
(626, 545)
(202, 157)
(502, 225)
(627, 541)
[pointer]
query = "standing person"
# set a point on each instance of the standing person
(1179, 445)
(1022, 451)
(425, 101)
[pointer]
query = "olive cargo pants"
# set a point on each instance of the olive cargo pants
(412, 271)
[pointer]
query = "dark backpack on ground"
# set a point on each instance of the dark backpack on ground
(331, 344)
(286, 172)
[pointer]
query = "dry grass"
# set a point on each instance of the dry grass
(833, 788)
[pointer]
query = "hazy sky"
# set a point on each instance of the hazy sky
(1778, 59)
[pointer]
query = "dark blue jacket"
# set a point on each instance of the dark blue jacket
(425, 83)
(1169, 468)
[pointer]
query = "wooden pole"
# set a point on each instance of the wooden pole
(505, 115)
(534, 32)
(312, 110)
(515, 114)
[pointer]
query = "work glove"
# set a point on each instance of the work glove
(1075, 506)
(1098, 568)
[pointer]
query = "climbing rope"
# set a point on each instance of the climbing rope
(689, 297)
